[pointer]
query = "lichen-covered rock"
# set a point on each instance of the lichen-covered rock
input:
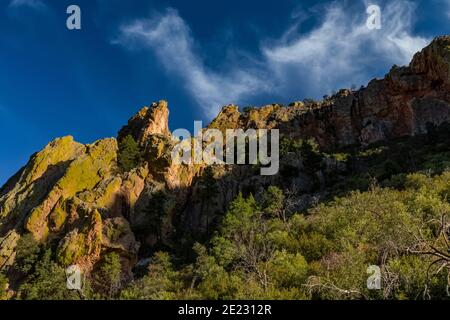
(7, 248)
(106, 196)
(58, 216)
(117, 235)
(82, 244)
(158, 154)
(30, 185)
(228, 118)
(71, 248)
(59, 194)
(83, 173)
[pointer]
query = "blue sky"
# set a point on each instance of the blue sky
(197, 54)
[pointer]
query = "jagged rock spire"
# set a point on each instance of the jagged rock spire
(148, 121)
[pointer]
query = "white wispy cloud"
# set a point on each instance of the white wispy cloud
(34, 4)
(340, 50)
(170, 38)
(446, 4)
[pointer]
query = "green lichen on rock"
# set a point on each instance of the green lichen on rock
(228, 118)
(113, 229)
(59, 150)
(82, 244)
(157, 153)
(58, 172)
(58, 216)
(30, 186)
(8, 244)
(71, 248)
(261, 114)
(104, 194)
(84, 173)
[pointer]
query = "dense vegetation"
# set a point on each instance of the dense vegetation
(264, 251)
(389, 208)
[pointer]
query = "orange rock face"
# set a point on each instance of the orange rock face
(406, 102)
(148, 121)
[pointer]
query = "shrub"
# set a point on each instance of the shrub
(129, 155)
(162, 282)
(3, 287)
(27, 253)
(108, 276)
(47, 282)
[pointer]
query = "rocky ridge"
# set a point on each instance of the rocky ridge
(75, 196)
(402, 104)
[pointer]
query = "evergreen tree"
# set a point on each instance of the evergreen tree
(108, 277)
(310, 155)
(208, 193)
(161, 283)
(47, 282)
(155, 213)
(28, 252)
(3, 287)
(273, 201)
(129, 156)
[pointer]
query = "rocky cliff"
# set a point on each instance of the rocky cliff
(403, 103)
(76, 197)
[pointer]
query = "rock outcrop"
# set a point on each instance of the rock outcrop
(406, 102)
(148, 121)
(75, 195)
(65, 193)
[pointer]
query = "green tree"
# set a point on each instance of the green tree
(288, 269)
(129, 155)
(27, 254)
(214, 281)
(243, 239)
(208, 192)
(244, 261)
(46, 282)
(3, 287)
(288, 145)
(162, 282)
(108, 278)
(273, 201)
(309, 151)
(154, 214)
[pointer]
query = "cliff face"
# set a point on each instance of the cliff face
(148, 121)
(403, 103)
(68, 192)
(75, 196)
